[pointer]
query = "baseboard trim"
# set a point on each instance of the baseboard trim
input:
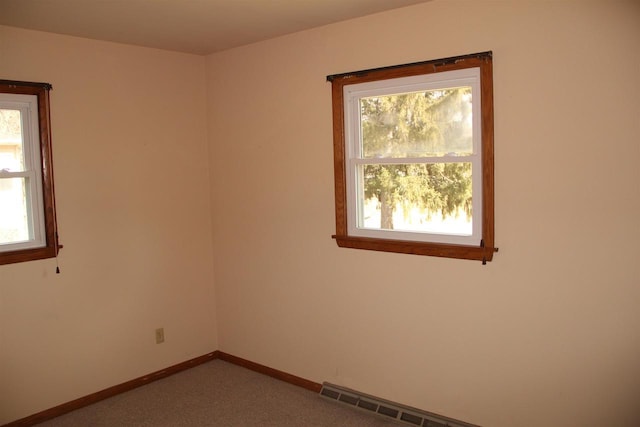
(163, 373)
(265, 370)
(81, 402)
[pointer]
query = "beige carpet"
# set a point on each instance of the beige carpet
(218, 393)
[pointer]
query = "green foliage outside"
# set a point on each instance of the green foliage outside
(418, 125)
(9, 124)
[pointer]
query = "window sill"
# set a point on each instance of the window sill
(477, 253)
(29, 255)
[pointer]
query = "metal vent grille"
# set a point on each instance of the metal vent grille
(384, 408)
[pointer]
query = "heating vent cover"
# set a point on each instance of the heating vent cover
(384, 408)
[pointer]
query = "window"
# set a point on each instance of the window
(413, 158)
(27, 207)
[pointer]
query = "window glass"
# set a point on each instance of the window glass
(11, 141)
(419, 124)
(421, 198)
(14, 216)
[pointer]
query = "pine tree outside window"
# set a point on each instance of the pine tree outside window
(413, 158)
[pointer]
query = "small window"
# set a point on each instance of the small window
(27, 217)
(413, 158)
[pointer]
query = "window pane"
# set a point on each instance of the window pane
(420, 124)
(14, 219)
(430, 198)
(11, 153)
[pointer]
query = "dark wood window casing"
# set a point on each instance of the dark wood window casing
(483, 252)
(51, 248)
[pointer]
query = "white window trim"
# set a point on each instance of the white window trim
(352, 95)
(28, 105)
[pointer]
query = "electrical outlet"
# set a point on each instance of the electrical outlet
(159, 335)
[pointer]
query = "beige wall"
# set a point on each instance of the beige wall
(130, 154)
(549, 333)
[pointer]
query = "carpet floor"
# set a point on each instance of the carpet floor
(218, 393)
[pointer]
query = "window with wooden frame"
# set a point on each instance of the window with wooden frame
(28, 229)
(413, 158)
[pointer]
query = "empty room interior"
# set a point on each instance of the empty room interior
(195, 194)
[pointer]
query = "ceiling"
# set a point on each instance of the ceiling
(193, 26)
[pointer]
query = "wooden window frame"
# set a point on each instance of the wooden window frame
(51, 247)
(483, 252)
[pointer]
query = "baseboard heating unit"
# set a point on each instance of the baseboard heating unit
(401, 413)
